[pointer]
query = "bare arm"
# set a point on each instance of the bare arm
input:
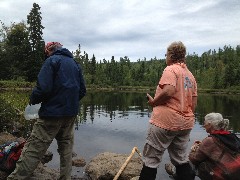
(194, 103)
(167, 92)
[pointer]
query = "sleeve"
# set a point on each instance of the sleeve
(201, 154)
(195, 87)
(82, 91)
(168, 78)
(44, 85)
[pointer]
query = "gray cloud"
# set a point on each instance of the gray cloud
(135, 28)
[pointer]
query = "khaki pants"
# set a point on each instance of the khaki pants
(158, 140)
(43, 133)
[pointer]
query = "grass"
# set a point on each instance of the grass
(23, 85)
(16, 84)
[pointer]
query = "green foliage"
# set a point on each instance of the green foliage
(15, 50)
(7, 115)
(21, 48)
(12, 106)
(212, 70)
(17, 99)
(216, 70)
(17, 84)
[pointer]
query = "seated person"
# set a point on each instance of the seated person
(217, 157)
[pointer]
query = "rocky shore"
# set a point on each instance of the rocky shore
(104, 166)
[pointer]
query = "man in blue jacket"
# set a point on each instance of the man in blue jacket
(59, 89)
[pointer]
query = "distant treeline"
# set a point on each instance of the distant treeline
(213, 69)
(21, 57)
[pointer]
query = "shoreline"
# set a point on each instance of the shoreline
(132, 89)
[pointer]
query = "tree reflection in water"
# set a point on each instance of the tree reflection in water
(118, 121)
(116, 104)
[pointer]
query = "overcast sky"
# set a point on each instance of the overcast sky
(133, 28)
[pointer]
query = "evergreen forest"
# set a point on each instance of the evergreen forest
(21, 57)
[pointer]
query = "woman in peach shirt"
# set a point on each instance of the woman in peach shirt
(172, 117)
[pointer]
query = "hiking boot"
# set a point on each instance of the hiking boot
(148, 173)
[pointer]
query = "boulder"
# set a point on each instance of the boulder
(106, 165)
(5, 137)
(78, 162)
(42, 172)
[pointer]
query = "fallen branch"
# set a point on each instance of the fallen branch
(135, 149)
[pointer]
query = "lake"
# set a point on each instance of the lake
(118, 121)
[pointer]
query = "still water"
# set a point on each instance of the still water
(117, 122)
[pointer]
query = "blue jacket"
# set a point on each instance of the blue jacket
(60, 86)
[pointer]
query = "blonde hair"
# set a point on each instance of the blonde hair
(217, 122)
(177, 51)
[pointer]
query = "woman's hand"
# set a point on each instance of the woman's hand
(150, 100)
(195, 146)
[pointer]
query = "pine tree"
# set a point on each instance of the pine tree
(35, 27)
(93, 69)
(37, 44)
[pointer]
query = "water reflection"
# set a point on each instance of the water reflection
(227, 105)
(112, 104)
(118, 121)
(108, 103)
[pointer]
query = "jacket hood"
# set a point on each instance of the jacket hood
(63, 51)
(229, 140)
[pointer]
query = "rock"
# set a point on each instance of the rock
(78, 162)
(3, 175)
(135, 178)
(41, 172)
(106, 165)
(5, 137)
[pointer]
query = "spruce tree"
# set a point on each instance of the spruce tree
(37, 43)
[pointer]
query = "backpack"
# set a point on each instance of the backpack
(9, 155)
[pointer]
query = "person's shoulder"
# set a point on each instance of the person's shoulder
(169, 68)
(207, 145)
(176, 66)
(208, 140)
(48, 60)
(51, 58)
